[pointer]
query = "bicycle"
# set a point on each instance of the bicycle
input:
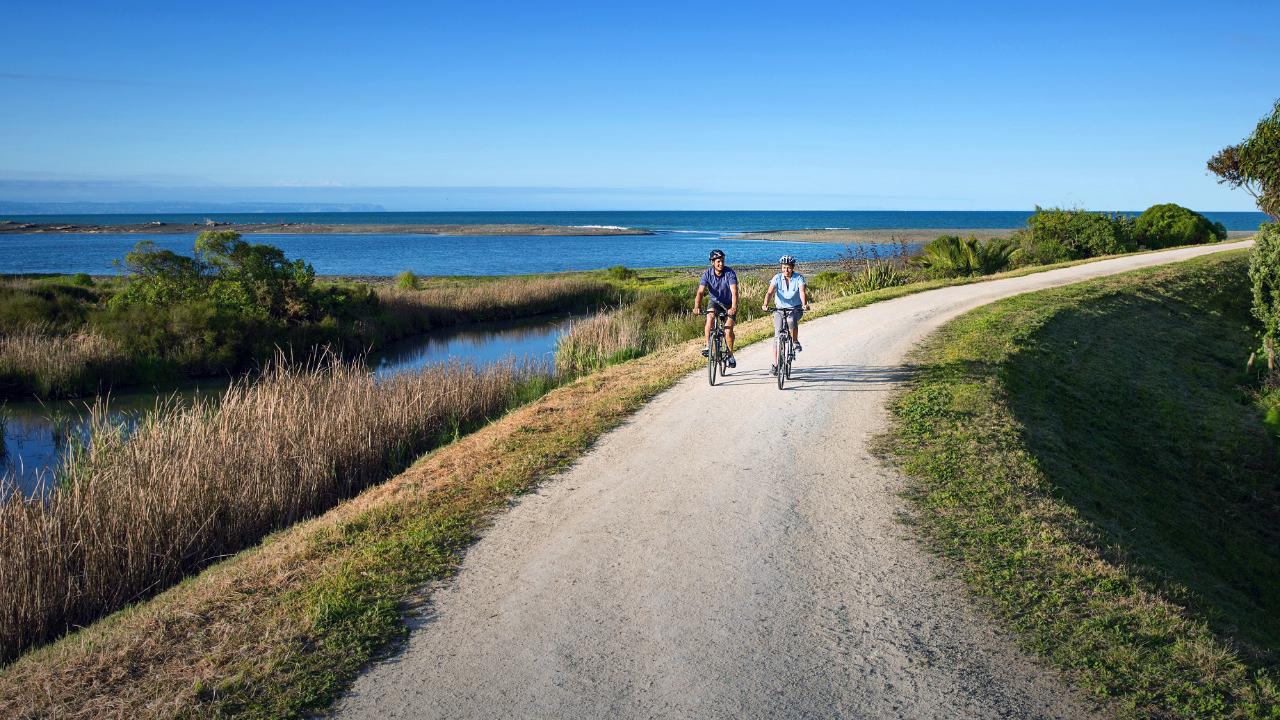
(717, 348)
(786, 347)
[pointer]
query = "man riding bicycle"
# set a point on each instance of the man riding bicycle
(722, 283)
(787, 289)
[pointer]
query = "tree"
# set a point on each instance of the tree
(1264, 278)
(1168, 225)
(1254, 164)
(257, 279)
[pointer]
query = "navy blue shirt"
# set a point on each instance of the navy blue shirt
(719, 286)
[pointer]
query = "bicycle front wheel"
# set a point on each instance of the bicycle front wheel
(713, 360)
(782, 362)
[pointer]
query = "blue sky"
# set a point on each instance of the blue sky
(905, 105)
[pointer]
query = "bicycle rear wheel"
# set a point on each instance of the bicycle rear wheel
(791, 356)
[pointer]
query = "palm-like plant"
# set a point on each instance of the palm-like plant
(953, 256)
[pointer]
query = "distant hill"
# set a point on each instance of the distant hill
(8, 207)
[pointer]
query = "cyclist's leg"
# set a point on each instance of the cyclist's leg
(706, 330)
(777, 330)
(728, 332)
(795, 327)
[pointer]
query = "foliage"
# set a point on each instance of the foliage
(407, 280)
(234, 276)
(1254, 164)
(621, 272)
(1056, 235)
(1264, 279)
(953, 256)
(1169, 225)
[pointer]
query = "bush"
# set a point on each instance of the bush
(407, 280)
(1056, 235)
(82, 279)
(1264, 277)
(953, 256)
(621, 272)
(1169, 225)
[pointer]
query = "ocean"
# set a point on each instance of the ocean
(680, 239)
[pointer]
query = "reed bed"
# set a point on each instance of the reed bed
(53, 364)
(134, 512)
(498, 300)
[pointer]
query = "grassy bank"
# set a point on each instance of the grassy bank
(135, 512)
(1097, 462)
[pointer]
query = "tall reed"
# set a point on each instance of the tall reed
(35, 358)
(135, 511)
(496, 300)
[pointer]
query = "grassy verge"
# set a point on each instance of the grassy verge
(280, 629)
(1095, 461)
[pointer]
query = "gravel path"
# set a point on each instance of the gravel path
(731, 552)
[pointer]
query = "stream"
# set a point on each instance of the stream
(36, 434)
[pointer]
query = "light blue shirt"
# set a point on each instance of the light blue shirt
(787, 292)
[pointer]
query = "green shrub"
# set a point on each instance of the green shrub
(879, 275)
(953, 256)
(1264, 277)
(82, 279)
(407, 280)
(621, 272)
(1169, 225)
(1055, 235)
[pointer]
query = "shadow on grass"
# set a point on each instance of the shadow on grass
(1135, 408)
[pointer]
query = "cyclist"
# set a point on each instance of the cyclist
(787, 289)
(722, 283)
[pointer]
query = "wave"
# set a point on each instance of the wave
(602, 227)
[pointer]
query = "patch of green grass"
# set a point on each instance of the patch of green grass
(1093, 459)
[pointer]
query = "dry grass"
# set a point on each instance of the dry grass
(493, 300)
(133, 513)
(56, 364)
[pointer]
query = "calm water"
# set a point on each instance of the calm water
(36, 434)
(716, 221)
(425, 254)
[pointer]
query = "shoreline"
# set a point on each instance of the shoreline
(889, 236)
(168, 228)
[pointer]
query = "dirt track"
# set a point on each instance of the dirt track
(761, 574)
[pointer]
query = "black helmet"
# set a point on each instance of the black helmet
(715, 255)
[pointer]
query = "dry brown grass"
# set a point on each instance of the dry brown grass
(34, 356)
(491, 300)
(133, 513)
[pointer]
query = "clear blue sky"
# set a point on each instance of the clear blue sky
(900, 105)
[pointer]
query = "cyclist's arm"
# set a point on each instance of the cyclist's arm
(767, 295)
(804, 298)
(697, 299)
(733, 299)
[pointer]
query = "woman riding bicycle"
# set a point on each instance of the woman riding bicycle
(787, 289)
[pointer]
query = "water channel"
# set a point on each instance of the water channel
(36, 434)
